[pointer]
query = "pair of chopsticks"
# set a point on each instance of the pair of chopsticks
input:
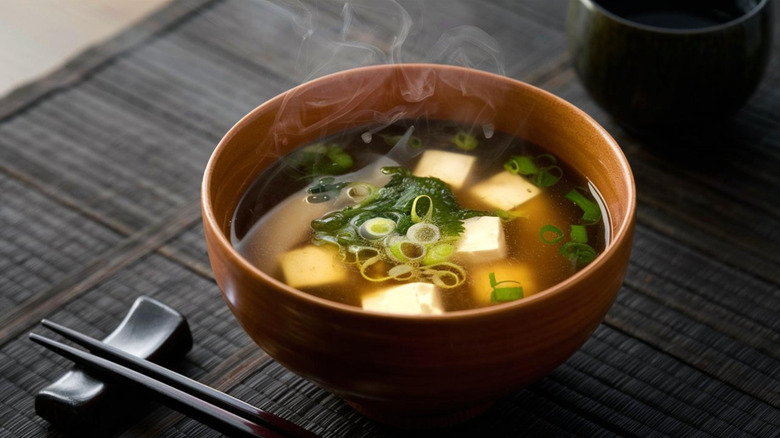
(213, 408)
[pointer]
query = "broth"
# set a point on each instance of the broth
(530, 220)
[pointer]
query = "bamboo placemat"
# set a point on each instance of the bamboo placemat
(100, 166)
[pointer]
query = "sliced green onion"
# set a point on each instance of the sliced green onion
(438, 253)
(412, 250)
(579, 253)
(359, 192)
(465, 141)
(376, 228)
(548, 176)
(391, 246)
(341, 160)
(547, 230)
(591, 213)
(521, 164)
(364, 269)
(579, 234)
(346, 235)
(422, 204)
(542, 170)
(401, 272)
(504, 294)
(446, 275)
(445, 279)
(406, 251)
(423, 233)
(414, 141)
(321, 159)
(361, 217)
(324, 239)
(360, 254)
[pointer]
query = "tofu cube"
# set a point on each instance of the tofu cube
(312, 266)
(505, 191)
(408, 299)
(479, 282)
(482, 240)
(450, 167)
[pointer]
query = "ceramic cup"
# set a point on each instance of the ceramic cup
(417, 370)
(666, 66)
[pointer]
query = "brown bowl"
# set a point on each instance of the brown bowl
(417, 371)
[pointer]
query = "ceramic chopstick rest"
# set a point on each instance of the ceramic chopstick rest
(77, 400)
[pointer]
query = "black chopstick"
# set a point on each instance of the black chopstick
(217, 418)
(180, 382)
(110, 357)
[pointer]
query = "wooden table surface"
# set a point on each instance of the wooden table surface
(100, 166)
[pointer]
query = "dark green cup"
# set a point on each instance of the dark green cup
(667, 66)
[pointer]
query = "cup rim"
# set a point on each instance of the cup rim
(675, 31)
(621, 234)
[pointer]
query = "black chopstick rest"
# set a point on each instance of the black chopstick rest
(150, 330)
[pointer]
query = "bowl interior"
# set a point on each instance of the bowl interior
(376, 95)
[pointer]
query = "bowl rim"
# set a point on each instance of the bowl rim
(761, 5)
(623, 230)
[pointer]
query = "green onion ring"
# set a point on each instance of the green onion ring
(361, 191)
(376, 228)
(428, 212)
(367, 264)
(449, 269)
(424, 233)
(401, 272)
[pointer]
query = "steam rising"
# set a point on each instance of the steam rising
(468, 46)
(373, 32)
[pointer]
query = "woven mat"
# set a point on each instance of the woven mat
(101, 165)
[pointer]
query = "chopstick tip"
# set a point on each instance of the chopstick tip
(35, 337)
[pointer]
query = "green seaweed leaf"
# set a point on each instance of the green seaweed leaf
(395, 201)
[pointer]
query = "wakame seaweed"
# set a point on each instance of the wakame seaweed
(394, 201)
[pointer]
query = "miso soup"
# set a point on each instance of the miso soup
(420, 218)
